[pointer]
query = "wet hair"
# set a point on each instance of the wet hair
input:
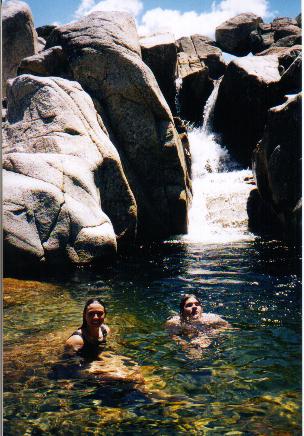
(91, 301)
(182, 303)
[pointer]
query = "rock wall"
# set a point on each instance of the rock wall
(19, 38)
(159, 52)
(277, 165)
(65, 196)
(84, 181)
(247, 90)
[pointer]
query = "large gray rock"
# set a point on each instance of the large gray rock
(290, 67)
(19, 38)
(299, 20)
(289, 41)
(105, 57)
(204, 48)
(160, 54)
(282, 32)
(195, 88)
(286, 55)
(289, 30)
(277, 164)
(233, 36)
(65, 196)
(51, 62)
(248, 89)
(261, 39)
(291, 80)
(45, 31)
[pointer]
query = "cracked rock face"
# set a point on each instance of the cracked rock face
(19, 38)
(248, 89)
(105, 58)
(56, 156)
(277, 164)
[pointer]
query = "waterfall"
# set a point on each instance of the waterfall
(178, 87)
(220, 188)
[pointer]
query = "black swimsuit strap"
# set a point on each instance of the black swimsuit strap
(79, 333)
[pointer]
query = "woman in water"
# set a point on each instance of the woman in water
(192, 322)
(88, 343)
(91, 337)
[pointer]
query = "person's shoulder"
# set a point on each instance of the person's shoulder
(212, 318)
(75, 341)
(173, 321)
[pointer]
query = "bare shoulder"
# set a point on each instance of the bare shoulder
(173, 321)
(173, 325)
(74, 343)
(214, 319)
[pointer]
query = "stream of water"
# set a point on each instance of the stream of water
(248, 382)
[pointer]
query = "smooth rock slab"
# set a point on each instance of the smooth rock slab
(55, 157)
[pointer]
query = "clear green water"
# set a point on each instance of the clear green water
(248, 382)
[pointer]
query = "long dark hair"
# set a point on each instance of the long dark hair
(183, 301)
(90, 301)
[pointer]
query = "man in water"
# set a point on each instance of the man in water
(193, 323)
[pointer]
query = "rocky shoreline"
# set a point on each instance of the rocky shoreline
(95, 152)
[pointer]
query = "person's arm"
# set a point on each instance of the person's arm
(73, 344)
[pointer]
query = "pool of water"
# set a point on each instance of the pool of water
(248, 382)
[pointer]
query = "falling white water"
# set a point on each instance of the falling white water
(178, 87)
(220, 189)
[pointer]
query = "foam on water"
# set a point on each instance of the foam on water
(220, 188)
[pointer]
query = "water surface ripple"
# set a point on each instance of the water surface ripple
(247, 382)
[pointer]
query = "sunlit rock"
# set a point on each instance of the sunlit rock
(65, 196)
(233, 36)
(105, 57)
(19, 38)
(207, 52)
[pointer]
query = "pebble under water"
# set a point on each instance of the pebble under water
(248, 382)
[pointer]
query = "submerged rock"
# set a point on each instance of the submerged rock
(19, 38)
(233, 36)
(61, 172)
(105, 57)
(277, 164)
(160, 54)
(247, 91)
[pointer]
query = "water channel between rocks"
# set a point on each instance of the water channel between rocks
(247, 382)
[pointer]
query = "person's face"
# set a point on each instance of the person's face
(95, 315)
(192, 308)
